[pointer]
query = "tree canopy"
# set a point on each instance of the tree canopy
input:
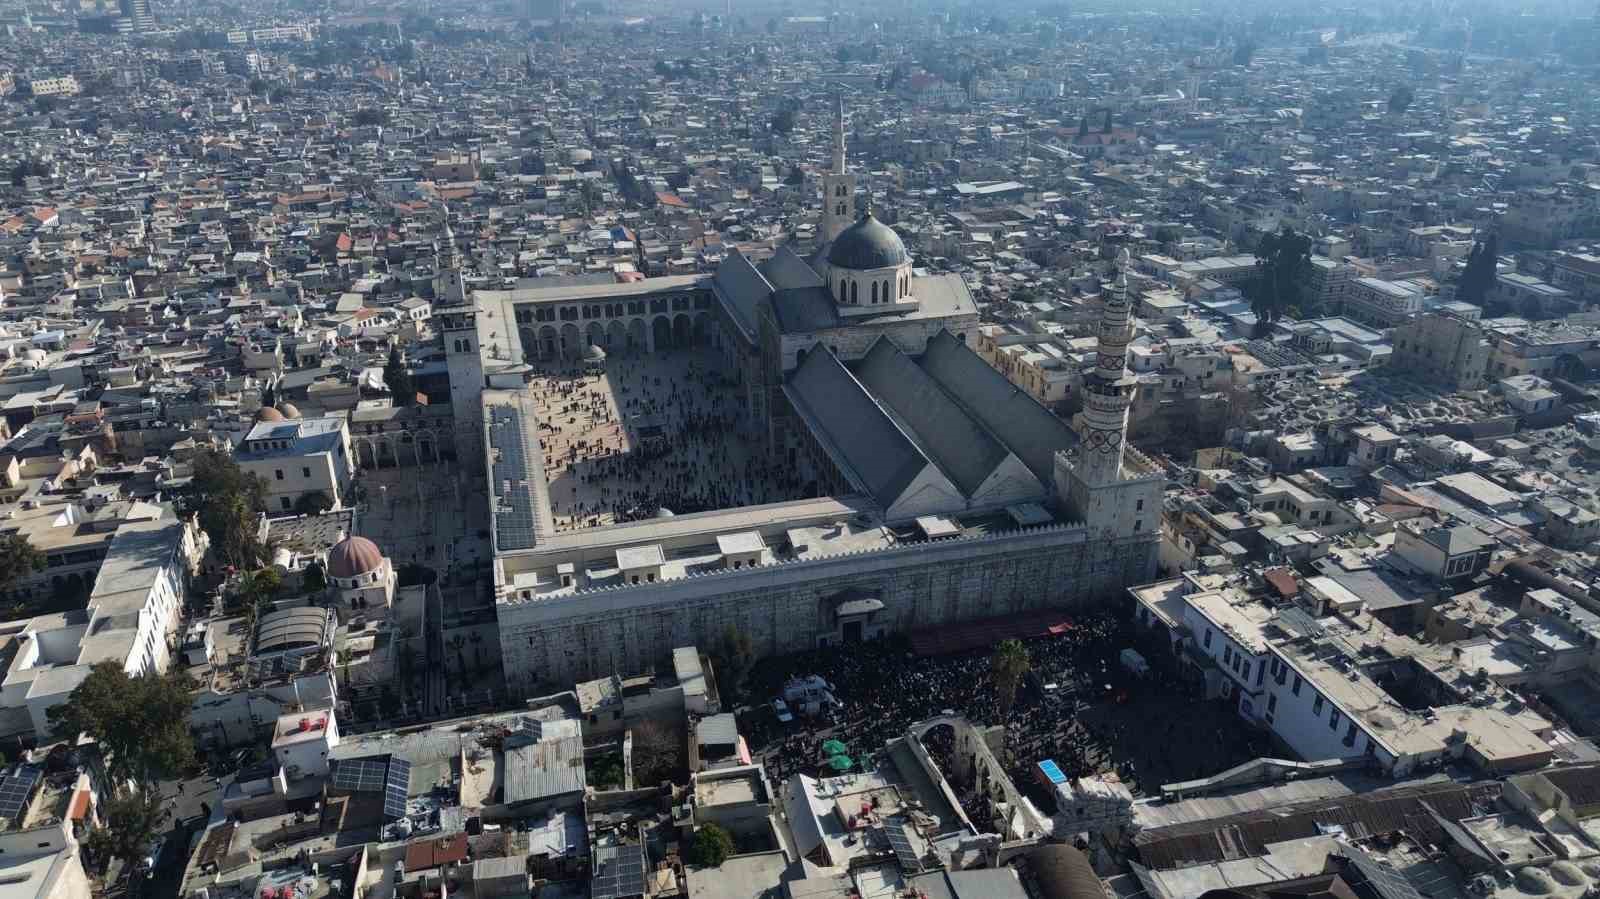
(18, 558)
(132, 820)
(711, 847)
(141, 723)
(1281, 259)
(1008, 666)
(1482, 266)
(398, 379)
(1400, 99)
(228, 500)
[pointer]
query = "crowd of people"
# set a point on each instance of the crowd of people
(1077, 706)
(640, 433)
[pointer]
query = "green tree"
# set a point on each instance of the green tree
(1479, 275)
(1009, 664)
(133, 819)
(1243, 53)
(141, 723)
(711, 847)
(255, 588)
(782, 121)
(1400, 99)
(314, 578)
(228, 500)
(315, 502)
(370, 116)
(18, 558)
(1281, 260)
(734, 656)
(258, 86)
(398, 379)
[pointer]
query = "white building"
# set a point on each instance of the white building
(301, 742)
(66, 85)
(1383, 303)
(131, 620)
(299, 458)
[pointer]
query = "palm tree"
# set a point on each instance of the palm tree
(1007, 666)
(459, 644)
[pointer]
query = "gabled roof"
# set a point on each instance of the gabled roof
(802, 309)
(742, 288)
(785, 270)
(1017, 419)
(962, 447)
(873, 450)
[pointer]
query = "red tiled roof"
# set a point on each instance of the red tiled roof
(425, 854)
(79, 807)
(1282, 581)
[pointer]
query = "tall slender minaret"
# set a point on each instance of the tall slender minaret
(838, 186)
(1108, 392)
(447, 283)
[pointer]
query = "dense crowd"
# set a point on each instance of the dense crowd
(1073, 707)
(655, 437)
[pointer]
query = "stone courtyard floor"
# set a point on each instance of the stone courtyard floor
(643, 432)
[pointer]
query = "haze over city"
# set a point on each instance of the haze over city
(819, 450)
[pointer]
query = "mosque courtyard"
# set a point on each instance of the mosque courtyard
(635, 433)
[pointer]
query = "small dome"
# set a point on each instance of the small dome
(594, 353)
(288, 410)
(664, 512)
(867, 244)
(268, 413)
(1568, 874)
(353, 557)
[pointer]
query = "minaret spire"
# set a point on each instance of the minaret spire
(838, 134)
(838, 185)
(1108, 392)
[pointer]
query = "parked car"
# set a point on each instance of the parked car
(781, 709)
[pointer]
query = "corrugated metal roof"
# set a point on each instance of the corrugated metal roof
(552, 766)
(1247, 835)
(717, 730)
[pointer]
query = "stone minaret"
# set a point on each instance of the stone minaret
(838, 186)
(1108, 392)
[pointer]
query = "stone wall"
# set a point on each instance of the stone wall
(790, 607)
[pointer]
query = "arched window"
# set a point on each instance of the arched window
(841, 290)
(886, 291)
(855, 295)
(874, 293)
(840, 210)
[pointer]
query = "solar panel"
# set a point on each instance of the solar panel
(910, 861)
(359, 775)
(396, 788)
(618, 873)
(16, 790)
(515, 518)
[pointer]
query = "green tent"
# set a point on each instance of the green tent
(840, 763)
(834, 747)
